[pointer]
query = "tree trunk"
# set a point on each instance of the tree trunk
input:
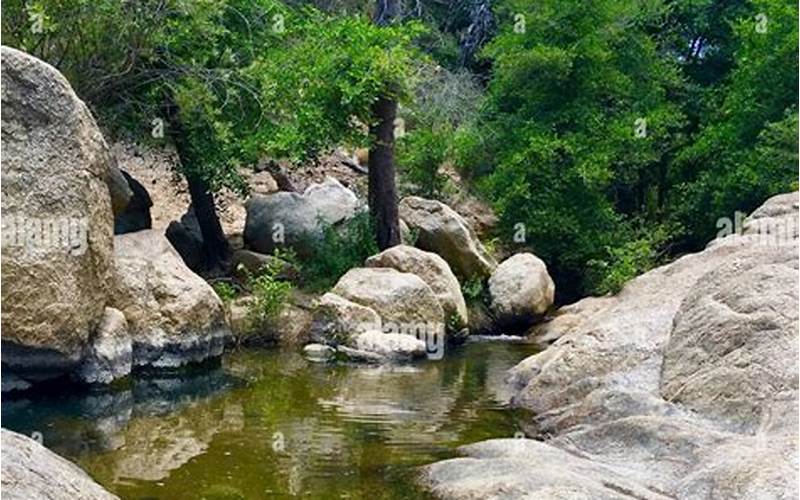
(382, 190)
(216, 249)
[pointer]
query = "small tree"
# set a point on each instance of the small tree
(226, 81)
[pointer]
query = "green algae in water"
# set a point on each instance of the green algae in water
(272, 424)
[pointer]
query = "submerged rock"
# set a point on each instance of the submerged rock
(319, 352)
(390, 345)
(57, 220)
(684, 385)
(174, 316)
(521, 290)
(32, 471)
(434, 271)
(442, 231)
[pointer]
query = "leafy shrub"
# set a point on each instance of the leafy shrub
(270, 295)
(472, 289)
(637, 255)
(420, 155)
(225, 291)
(341, 248)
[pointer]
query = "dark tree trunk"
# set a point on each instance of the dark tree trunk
(382, 190)
(216, 249)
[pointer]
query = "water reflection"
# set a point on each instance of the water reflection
(271, 423)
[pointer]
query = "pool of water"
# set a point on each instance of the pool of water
(268, 424)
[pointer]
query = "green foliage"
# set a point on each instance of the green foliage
(341, 248)
(225, 291)
(595, 117)
(473, 289)
(420, 156)
(639, 252)
(269, 294)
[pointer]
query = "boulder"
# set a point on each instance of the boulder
(136, 214)
(337, 319)
(291, 326)
(318, 352)
(390, 345)
(187, 239)
(434, 271)
(119, 189)
(174, 316)
(404, 302)
(521, 290)
(57, 220)
(684, 385)
(441, 230)
(110, 355)
(29, 470)
(287, 219)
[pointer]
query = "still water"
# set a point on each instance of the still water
(267, 424)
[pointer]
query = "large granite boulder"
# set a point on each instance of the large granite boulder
(32, 471)
(441, 230)
(684, 385)
(404, 302)
(337, 320)
(521, 290)
(296, 221)
(174, 316)
(57, 220)
(434, 271)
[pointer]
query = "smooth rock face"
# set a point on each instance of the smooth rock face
(391, 345)
(405, 303)
(31, 471)
(521, 290)
(110, 356)
(685, 384)
(442, 231)
(337, 319)
(293, 220)
(433, 270)
(57, 219)
(174, 316)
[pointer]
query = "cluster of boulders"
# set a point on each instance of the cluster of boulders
(77, 300)
(683, 385)
(415, 291)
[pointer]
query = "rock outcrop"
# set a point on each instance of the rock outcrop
(441, 230)
(292, 220)
(434, 271)
(57, 220)
(32, 471)
(173, 315)
(684, 385)
(521, 290)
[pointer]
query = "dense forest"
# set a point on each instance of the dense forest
(609, 136)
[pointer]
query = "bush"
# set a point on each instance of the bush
(420, 155)
(341, 248)
(225, 291)
(269, 296)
